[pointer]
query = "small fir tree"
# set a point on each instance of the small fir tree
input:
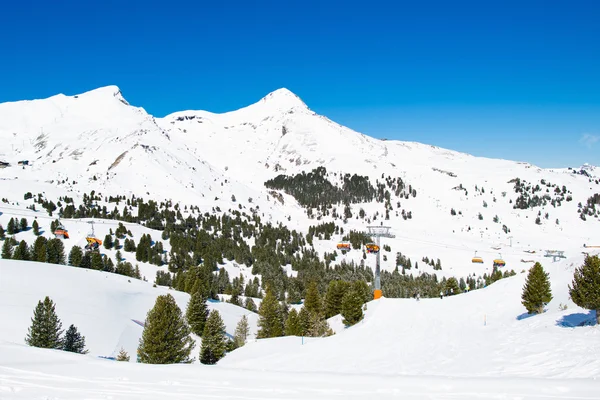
(23, 225)
(108, 242)
(352, 308)
(10, 228)
(312, 300)
(585, 289)
(7, 249)
(269, 320)
(166, 336)
(45, 330)
(122, 356)
(242, 330)
(2, 235)
(56, 251)
(74, 341)
(292, 324)
(197, 313)
(250, 305)
(36, 228)
(75, 256)
(536, 292)
(40, 249)
(22, 252)
(214, 340)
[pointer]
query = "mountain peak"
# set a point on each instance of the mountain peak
(105, 92)
(283, 98)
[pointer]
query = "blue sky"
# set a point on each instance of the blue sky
(510, 79)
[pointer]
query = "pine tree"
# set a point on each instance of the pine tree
(269, 320)
(108, 242)
(122, 356)
(536, 292)
(214, 340)
(10, 228)
(333, 299)
(166, 336)
(36, 228)
(197, 313)
(292, 324)
(96, 261)
(318, 325)
(452, 286)
(585, 290)
(45, 330)
(73, 341)
(2, 235)
(40, 250)
(22, 252)
(242, 330)
(7, 249)
(250, 305)
(75, 256)
(56, 251)
(312, 300)
(351, 308)
(303, 322)
(23, 224)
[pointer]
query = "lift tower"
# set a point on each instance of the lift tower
(378, 232)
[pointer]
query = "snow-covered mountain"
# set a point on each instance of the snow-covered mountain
(461, 203)
(476, 345)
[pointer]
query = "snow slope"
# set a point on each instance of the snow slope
(403, 349)
(103, 306)
(483, 333)
(205, 159)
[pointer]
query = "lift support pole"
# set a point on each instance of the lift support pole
(378, 232)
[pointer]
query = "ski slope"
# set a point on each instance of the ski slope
(103, 306)
(403, 349)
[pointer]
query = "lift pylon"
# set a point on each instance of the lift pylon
(378, 232)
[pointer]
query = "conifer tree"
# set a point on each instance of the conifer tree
(108, 242)
(45, 330)
(22, 252)
(303, 322)
(452, 286)
(56, 251)
(536, 292)
(75, 256)
(269, 320)
(2, 235)
(292, 324)
(312, 300)
(122, 356)
(351, 308)
(74, 341)
(250, 305)
(86, 260)
(166, 336)
(36, 228)
(7, 249)
(40, 251)
(362, 288)
(214, 340)
(197, 313)
(96, 261)
(585, 289)
(10, 228)
(242, 330)
(333, 299)
(23, 224)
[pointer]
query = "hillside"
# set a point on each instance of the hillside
(428, 349)
(103, 306)
(451, 206)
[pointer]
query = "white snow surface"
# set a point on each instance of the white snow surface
(475, 345)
